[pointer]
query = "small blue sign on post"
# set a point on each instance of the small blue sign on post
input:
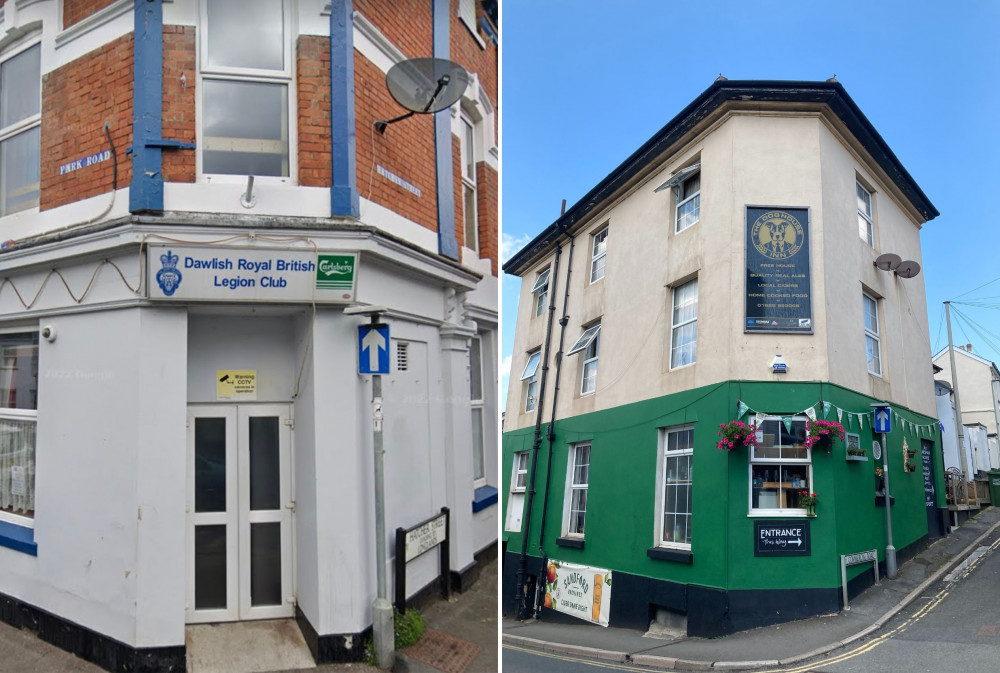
(883, 420)
(373, 349)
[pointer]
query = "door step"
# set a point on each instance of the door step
(247, 647)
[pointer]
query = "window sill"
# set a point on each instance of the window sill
(485, 496)
(18, 538)
(665, 554)
(774, 513)
(571, 542)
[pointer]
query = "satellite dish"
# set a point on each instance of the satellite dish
(888, 261)
(907, 269)
(424, 86)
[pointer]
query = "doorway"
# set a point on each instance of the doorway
(239, 513)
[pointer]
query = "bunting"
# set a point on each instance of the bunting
(905, 425)
(741, 409)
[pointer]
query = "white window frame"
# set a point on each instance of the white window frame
(29, 123)
(478, 404)
(530, 377)
(589, 344)
(467, 151)
(541, 291)
(515, 501)
(573, 487)
(677, 181)
(675, 326)
(872, 336)
(22, 415)
(662, 474)
(520, 469)
(598, 255)
(778, 463)
(867, 234)
(285, 76)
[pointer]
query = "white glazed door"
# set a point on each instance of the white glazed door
(239, 513)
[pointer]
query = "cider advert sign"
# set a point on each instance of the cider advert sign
(580, 591)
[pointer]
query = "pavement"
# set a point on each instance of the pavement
(461, 638)
(781, 644)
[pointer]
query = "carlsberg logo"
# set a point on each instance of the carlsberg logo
(335, 272)
(329, 267)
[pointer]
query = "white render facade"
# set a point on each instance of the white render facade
(134, 433)
(764, 154)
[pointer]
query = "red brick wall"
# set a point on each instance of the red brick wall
(179, 101)
(487, 186)
(75, 11)
(408, 24)
(313, 81)
(76, 101)
(406, 149)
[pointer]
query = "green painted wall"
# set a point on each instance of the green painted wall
(622, 506)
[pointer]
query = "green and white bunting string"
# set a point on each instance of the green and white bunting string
(824, 407)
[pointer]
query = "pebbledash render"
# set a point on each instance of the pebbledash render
(723, 272)
(192, 193)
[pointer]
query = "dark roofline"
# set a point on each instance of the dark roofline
(832, 94)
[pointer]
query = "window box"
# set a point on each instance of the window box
(666, 554)
(570, 542)
(857, 459)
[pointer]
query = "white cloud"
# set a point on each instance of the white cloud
(511, 244)
(505, 366)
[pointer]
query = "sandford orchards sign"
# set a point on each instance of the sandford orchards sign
(577, 590)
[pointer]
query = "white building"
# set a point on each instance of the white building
(185, 434)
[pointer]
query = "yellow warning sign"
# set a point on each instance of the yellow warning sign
(236, 384)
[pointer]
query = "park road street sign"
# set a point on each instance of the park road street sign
(883, 420)
(373, 349)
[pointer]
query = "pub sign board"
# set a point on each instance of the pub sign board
(778, 294)
(782, 538)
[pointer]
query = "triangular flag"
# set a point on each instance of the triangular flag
(840, 415)
(741, 409)
(861, 420)
(850, 420)
(826, 409)
(811, 413)
(759, 419)
(787, 420)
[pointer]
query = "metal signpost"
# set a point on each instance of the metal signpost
(373, 359)
(883, 425)
(870, 556)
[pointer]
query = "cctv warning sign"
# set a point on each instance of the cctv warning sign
(233, 384)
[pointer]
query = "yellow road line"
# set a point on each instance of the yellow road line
(576, 660)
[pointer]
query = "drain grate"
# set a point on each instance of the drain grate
(443, 652)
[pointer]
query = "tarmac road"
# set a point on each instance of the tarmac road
(953, 626)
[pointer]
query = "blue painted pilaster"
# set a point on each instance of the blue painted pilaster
(146, 192)
(344, 185)
(447, 242)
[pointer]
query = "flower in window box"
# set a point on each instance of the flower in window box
(736, 434)
(808, 500)
(822, 434)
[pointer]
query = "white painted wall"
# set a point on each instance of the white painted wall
(109, 444)
(264, 343)
(975, 385)
(792, 159)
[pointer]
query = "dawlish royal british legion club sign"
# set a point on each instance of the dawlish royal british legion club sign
(209, 273)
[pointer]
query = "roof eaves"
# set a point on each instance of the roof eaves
(830, 93)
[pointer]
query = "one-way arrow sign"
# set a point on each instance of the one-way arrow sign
(883, 420)
(375, 340)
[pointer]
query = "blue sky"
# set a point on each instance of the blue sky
(585, 83)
